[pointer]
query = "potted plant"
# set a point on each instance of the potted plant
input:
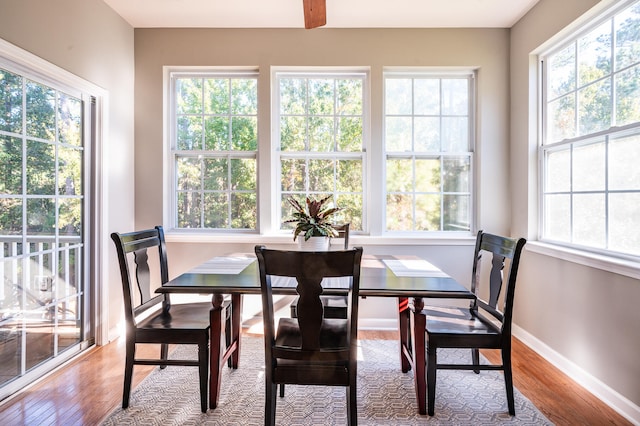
(313, 222)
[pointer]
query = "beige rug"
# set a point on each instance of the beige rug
(386, 396)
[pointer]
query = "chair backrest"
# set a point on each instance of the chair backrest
(137, 287)
(503, 255)
(343, 232)
(309, 269)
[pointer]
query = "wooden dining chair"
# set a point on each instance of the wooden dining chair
(168, 324)
(310, 349)
(334, 306)
(486, 324)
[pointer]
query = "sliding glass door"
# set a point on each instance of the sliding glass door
(43, 233)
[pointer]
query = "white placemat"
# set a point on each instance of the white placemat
(413, 268)
(230, 265)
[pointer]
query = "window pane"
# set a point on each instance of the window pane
(10, 165)
(399, 175)
(244, 133)
(189, 132)
(561, 78)
(351, 205)
(398, 96)
(350, 134)
(293, 96)
(624, 157)
(589, 167)
(244, 211)
(427, 175)
(216, 96)
(215, 174)
(398, 134)
(427, 134)
(244, 96)
(627, 37)
(594, 54)
(188, 95)
(624, 223)
(321, 97)
(427, 96)
(428, 212)
(69, 120)
(627, 102)
(557, 217)
(594, 113)
(321, 134)
(70, 216)
(558, 170)
(455, 97)
(589, 220)
(243, 174)
(10, 102)
(41, 216)
(456, 213)
(215, 210)
(321, 176)
(349, 175)
(399, 212)
(561, 118)
(11, 216)
(188, 173)
(455, 134)
(41, 115)
(456, 175)
(293, 132)
(188, 210)
(293, 174)
(41, 168)
(349, 96)
(70, 171)
(216, 134)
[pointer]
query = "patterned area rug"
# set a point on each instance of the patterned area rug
(386, 396)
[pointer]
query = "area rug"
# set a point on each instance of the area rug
(386, 396)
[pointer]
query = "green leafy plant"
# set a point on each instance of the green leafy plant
(313, 219)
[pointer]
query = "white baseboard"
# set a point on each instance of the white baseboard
(609, 396)
(378, 324)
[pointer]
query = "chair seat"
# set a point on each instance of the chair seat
(333, 334)
(458, 328)
(185, 323)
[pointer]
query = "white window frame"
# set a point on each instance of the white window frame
(470, 75)
(602, 258)
(170, 207)
(318, 72)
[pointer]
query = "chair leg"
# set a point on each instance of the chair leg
(281, 390)
(352, 406)
(128, 372)
(475, 357)
(270, 403)
(431, 379)
(164, 353)
(203, 371)
(508, 380)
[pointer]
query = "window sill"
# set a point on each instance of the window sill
(624, 267)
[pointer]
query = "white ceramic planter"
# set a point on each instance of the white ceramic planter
(313, 244)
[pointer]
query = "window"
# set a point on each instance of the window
(428, 139)
(214, 150)
(320, 148)
(591, 143)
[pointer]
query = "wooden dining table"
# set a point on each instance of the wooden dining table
(407, 278)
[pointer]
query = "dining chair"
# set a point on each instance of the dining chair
(334, 306)
(166, 323)
(486, 324)
(310, 349)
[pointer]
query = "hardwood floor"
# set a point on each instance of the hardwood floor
(85, 390)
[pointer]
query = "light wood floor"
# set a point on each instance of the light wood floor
(84, 391)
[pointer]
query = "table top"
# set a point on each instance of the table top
(376, 279)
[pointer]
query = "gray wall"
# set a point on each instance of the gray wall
(88, 39)
(577, 313)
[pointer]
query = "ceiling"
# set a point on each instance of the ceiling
(340, 13)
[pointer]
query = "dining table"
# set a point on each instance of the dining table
(409, 279)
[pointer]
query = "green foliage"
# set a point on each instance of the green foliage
(313, 219)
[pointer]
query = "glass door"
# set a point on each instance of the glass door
(43, 210)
